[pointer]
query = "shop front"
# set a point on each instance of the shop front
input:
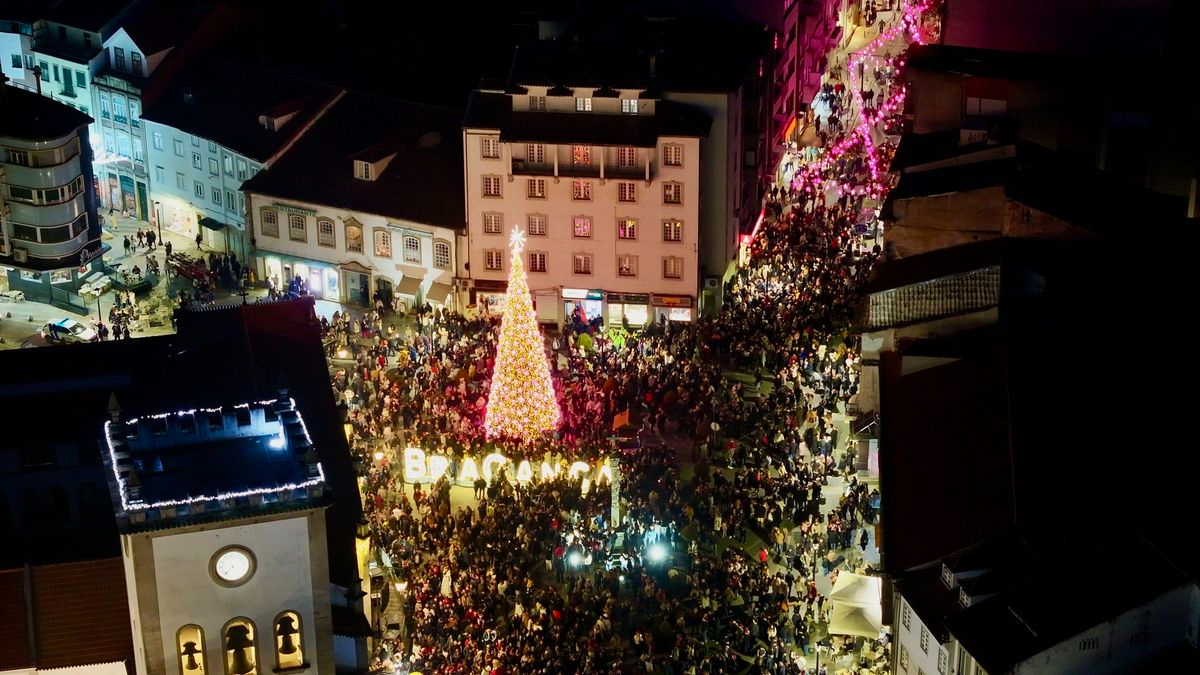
(582, 304)
(320, 279)
(177, 216)
(487, 296)
(673, 307)
(632, 308)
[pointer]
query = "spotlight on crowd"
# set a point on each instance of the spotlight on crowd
(657, 553)
(574, 558)
(378, 455)
(342, 353)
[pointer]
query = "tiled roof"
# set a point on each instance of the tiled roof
(423, 183)
(80, 615)
(222, 102)
(14, 622)
(945, 296)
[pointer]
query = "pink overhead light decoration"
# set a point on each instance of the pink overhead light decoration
(909, 24)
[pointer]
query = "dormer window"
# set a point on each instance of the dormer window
(537, 103)
(583, 104)
(366, 169)
(278, 117)
(947, 576)
(629, 106)
(963, 598)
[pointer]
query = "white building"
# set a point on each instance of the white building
(606, 184)
(226, 575)
(49, 232)
(215, 126)
(998, 609)
(368, 204)
(16, 52)
(130, 56)
(68, 41)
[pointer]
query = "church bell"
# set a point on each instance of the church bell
(238, 643)
(285, 630)
(189, 652)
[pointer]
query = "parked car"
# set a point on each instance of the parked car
(67, 331)
(12, 296)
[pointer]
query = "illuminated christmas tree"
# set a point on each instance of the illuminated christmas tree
(521, 403)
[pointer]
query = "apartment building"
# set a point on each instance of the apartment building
(49, 232)
(605, 182)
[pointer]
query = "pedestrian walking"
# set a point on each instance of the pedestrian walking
(199, 238)
(168, 248)
(141, 239)
(150, 239)
(128, 245)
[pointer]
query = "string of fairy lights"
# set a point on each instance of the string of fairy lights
(909, 25)
(522, 404)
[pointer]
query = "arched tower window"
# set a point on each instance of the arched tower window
(239, 637)
(289, 641)
(189, 644)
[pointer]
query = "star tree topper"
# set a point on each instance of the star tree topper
(517, 240)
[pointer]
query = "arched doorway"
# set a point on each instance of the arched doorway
(383, 290)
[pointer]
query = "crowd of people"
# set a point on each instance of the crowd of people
(738, 499)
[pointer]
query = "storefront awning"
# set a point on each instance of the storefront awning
(211, 223)
(438, 292)
(408, 286)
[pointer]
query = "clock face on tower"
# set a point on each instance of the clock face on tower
(232, 566)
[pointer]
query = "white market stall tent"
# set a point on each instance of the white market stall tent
(857, 605)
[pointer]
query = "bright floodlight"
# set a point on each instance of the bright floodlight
(658, 553)
(275, 442)
(574, 558)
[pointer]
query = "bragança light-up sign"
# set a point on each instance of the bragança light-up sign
(420, 467)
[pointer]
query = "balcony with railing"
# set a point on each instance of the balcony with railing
(522, 167)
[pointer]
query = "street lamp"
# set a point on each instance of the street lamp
(158, 219)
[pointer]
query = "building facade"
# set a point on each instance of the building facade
(51, 233)
(348, 257)
(16, 52)
(195, 186)
(810, 30)
(367, 205)
(121, 168)
(213, 127)
(612, 218)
